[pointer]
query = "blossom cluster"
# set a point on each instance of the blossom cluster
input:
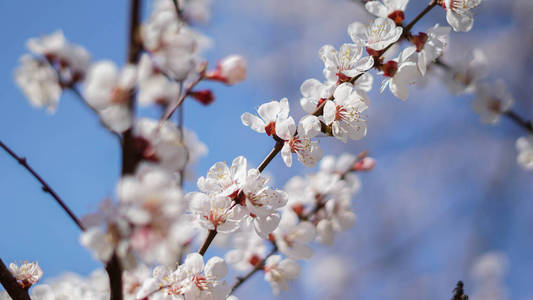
(154, 222)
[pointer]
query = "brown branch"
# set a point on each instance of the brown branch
(114, 270)
(513, 116)
(45, 186)
(13, 289)
(179, 11)
(259, 266)
(210, 237)
(428, 8)
(458, 292)
(130, 159)
(188, 89)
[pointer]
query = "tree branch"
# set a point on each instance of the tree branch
(45, 186)
(428, 8)
(188, 89)
(129, 157)
(513, 116)
(13, 289)
(210, 237)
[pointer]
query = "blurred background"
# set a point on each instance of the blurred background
(446, 201)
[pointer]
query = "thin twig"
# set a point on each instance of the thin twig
(13, 289)
(458, 292)
(519, 120)
(45, 186)
(428, 8)
(186, 93)
(210, 236)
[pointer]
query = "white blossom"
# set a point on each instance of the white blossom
(466, 73)
(269, 115)
(430, 45)
(344, 113)
(108, 91)
(491, 101)
(315, 92)
(392, 9)
(230, 70)
(153, 86)
(39, 82)
(378, 36)
(232, 194)
(27, 274)
(524, 145)
(278, 272)
(346, 63)
(70, 60)
(249, 251)
(400, 72)
(174, 46)
(308, 151)
(167, 146)
(459, 15)
(293, 237)
(191, 280)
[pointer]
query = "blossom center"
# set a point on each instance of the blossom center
(270, 129)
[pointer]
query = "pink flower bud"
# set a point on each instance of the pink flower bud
(231, 70)
(365, 164)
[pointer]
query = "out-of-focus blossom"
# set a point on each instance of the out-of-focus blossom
(293, 237)
(153, 86)
(39, 82)
(173, 45)
(249, 251)
(149, 210)
(524, 145)
(167, 146)
(191, 280)
(329, 274)
(108, 91)
(278, 272)
(230, 70)
(459, 14)
(489, 275)
(70, 60)
(466, 73)
(491, 101)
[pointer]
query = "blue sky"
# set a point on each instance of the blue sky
(437, 166)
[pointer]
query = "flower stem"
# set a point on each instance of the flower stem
(210, 237)
(428, 8)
